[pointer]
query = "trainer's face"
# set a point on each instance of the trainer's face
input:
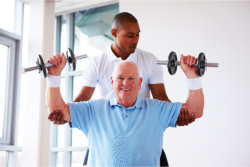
(127, 36)
(126, 83)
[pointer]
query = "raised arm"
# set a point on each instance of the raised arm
(195, 101)
(54, 99)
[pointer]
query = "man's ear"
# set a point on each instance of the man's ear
(114, 32)
(140, 81)
(111, 82)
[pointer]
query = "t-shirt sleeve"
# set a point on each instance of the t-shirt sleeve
(80, 114)
(156, 70)
(169, 113)
(90, 73)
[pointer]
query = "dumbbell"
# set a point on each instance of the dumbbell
(42, 67)
(201, 65)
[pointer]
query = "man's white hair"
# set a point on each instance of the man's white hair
(117, 65)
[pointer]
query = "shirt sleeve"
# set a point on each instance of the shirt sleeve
(169, 114)
(156, 70)
(90, 73)
(80, 114)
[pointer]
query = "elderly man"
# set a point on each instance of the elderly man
(119, 130)
(126, 34)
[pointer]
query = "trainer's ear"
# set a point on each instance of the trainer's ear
(114, 32)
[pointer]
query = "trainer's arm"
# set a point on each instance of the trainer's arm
(158, 92)
(85, 94)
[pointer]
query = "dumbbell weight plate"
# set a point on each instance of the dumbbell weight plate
(172, 66)
(71, 58)
(41, 65)
(201, 64)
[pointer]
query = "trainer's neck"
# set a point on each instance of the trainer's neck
(118, 52)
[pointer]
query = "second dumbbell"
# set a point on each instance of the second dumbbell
(172, 63)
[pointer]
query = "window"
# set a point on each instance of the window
(10, 39)
(7, 8)
(4, 52)
(9, 85)
(7, 46)
(86, 32)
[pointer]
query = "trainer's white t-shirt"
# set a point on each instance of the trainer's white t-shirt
(100, 67)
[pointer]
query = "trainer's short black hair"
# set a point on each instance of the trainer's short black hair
(121, 18)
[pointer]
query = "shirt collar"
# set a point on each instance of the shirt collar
(112, 56)
(138, 104)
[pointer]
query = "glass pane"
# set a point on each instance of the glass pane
(93, 31)
(2, 158)
(19, 158)
(64, 38)
(59, 162)
(78, 158)
(7, 17)
(60, 142)
(4, 52)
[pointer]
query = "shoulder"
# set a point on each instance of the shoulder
(98, 61)
(145, 54)
(153, 102)
(97, 58)
(100, 101)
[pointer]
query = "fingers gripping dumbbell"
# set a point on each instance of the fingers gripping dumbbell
(201, 65)
(42, 67)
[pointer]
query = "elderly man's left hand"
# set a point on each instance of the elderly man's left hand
(56, 117)
(188, 66)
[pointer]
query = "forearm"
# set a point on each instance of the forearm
(158, 92)
(56, 102)
(195, 102)
(85, 94)
(54, 98)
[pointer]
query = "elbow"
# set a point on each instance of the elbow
(198, 113)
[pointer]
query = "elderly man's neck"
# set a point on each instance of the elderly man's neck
(126, 103)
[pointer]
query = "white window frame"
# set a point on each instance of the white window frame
(9, 143)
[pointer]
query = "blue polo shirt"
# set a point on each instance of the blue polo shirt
(119, 136)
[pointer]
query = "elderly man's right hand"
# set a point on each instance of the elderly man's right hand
(59, 62)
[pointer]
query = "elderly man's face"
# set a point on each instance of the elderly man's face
(126, 83)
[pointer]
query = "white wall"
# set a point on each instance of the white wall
(222, 31)
(36, 127)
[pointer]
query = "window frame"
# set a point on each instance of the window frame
(11, 44)
(13, 75)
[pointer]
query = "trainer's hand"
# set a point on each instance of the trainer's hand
(59, 62)
(187, 65)
(56, 117)
(185, 117)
